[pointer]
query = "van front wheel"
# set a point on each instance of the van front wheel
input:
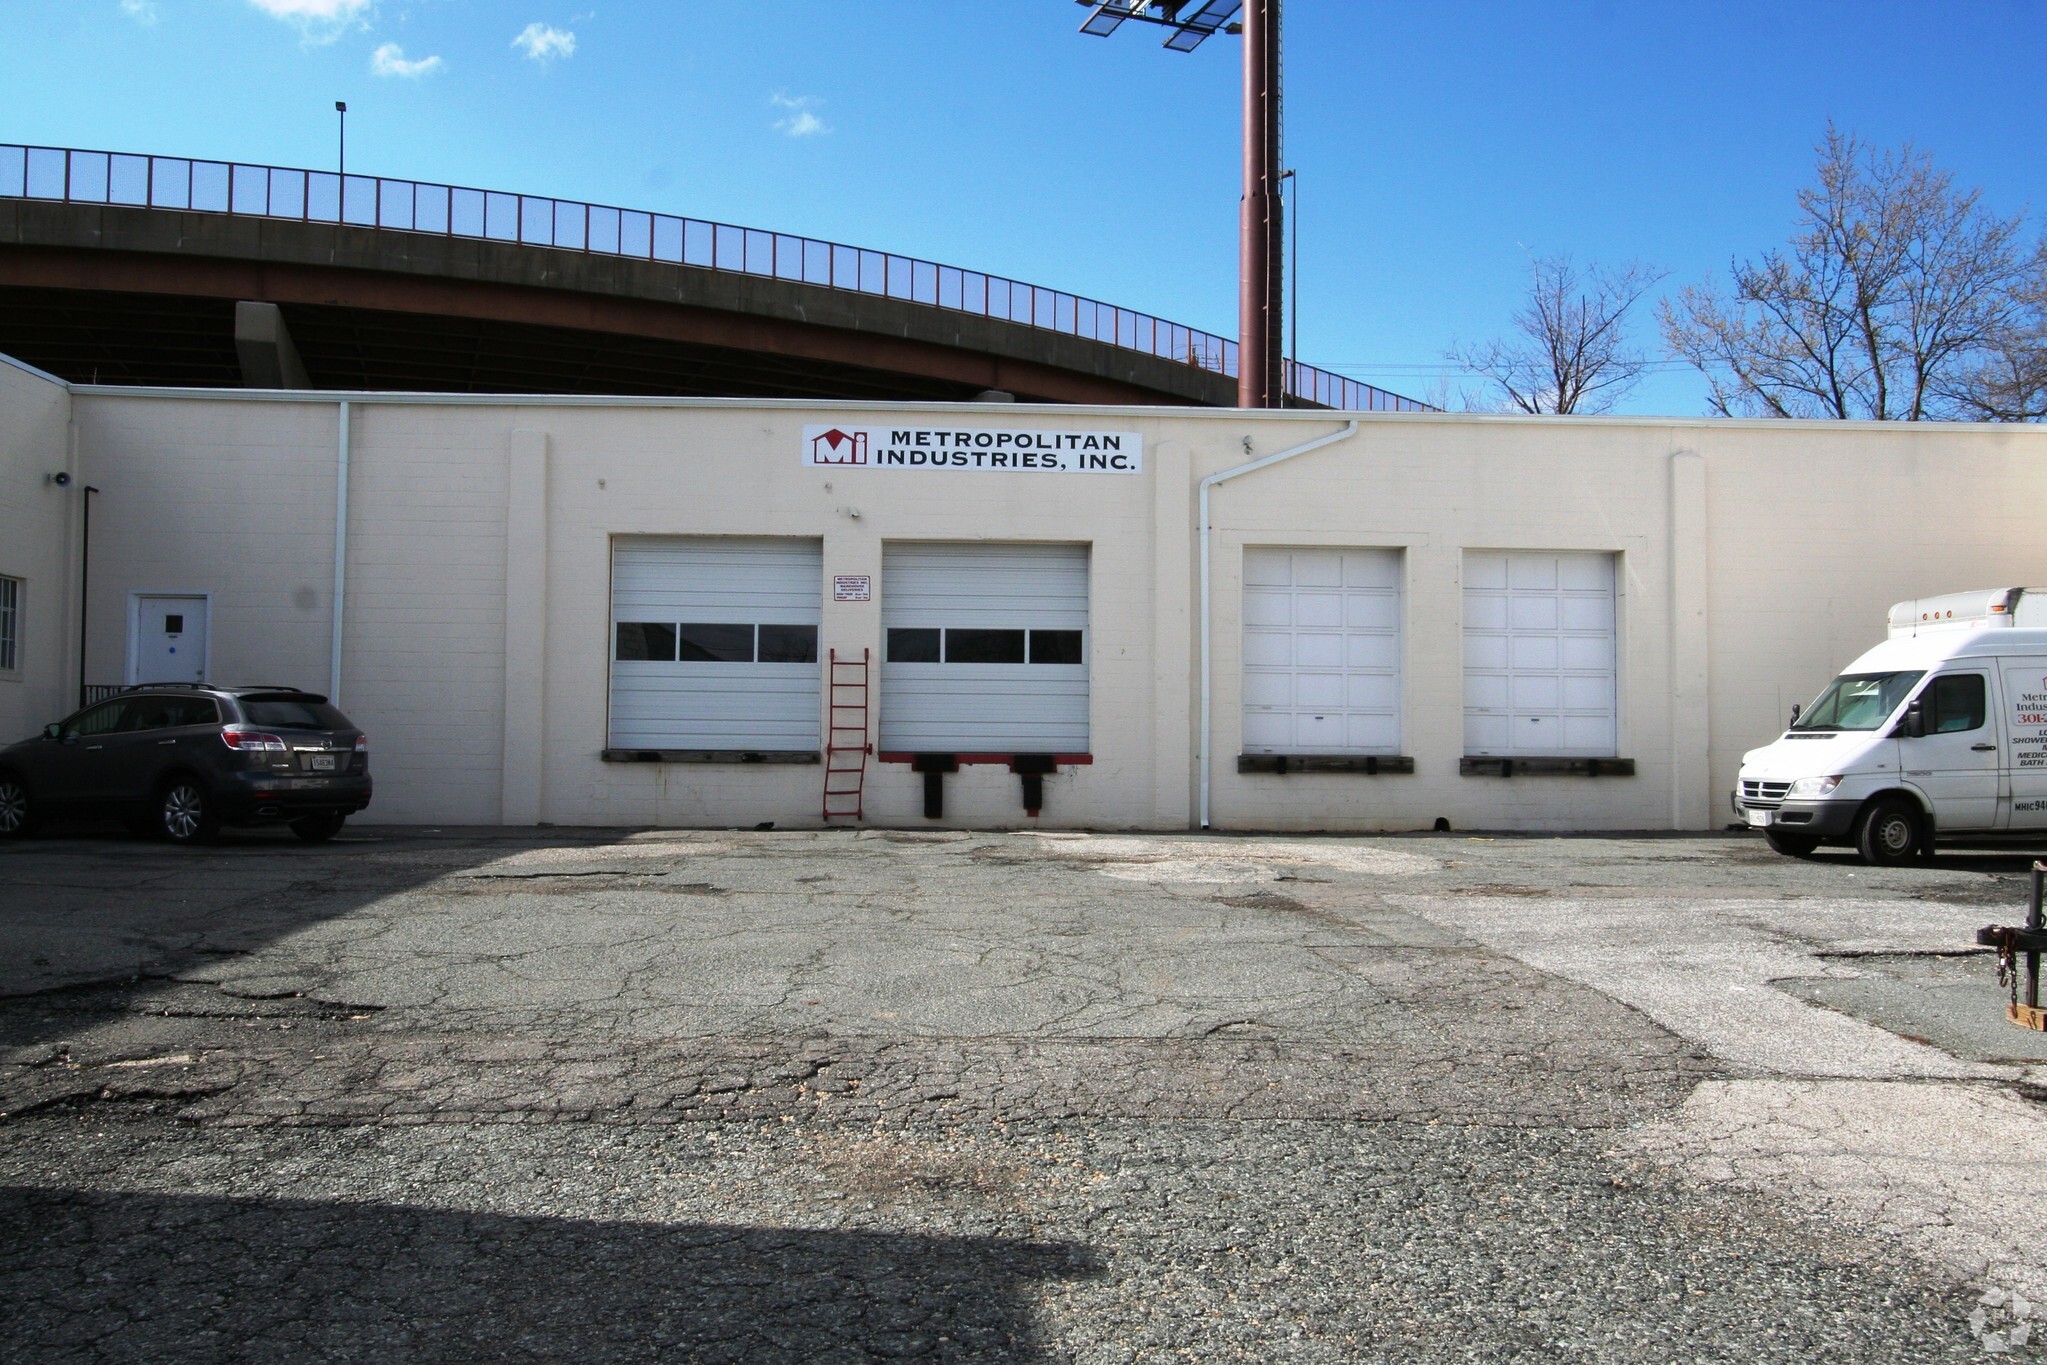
(1889, 833)
(1792, 845)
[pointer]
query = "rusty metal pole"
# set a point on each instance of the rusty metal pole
(1259, 270)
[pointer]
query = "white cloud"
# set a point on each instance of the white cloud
(141, 11)
(802, 119)
(544, 42)
(316, 11)
(389, 60)
(321, 21)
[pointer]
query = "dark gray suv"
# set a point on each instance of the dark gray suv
(181, 760)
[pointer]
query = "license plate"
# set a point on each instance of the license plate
(320, 763)
(1758, 818)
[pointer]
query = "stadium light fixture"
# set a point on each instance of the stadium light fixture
(1261, 381)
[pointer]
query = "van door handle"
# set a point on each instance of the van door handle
(160, 743)
(1982, 748)
(94, 748)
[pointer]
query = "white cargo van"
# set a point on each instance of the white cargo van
(1939, 730)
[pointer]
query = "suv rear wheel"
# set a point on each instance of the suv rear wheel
(184, 812)
(17, 808)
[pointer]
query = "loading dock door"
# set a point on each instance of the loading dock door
(714, 643)
(1321, 651)
(984, 648)
(1539, 654)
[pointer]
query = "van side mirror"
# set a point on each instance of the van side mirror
(1795, 709)
(1915, 720)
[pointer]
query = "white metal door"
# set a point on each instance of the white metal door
(984, 648)
(714, 643)
(1321, 651)
(1539, 654)
(170, 639)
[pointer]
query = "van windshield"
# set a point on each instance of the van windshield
(1858, 701)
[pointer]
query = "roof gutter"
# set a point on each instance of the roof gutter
(1207, 629)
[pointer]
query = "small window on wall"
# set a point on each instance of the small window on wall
(714, 642)
(10, 624)
(1055, 646)
(644, 640)
(979, 645)
(788, 644)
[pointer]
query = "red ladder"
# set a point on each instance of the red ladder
(846, 747)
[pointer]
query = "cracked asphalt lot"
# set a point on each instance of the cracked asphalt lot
(425, 1095)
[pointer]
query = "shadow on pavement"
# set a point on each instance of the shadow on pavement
(109, 1276)
(91, 921)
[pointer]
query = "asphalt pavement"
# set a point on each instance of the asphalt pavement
(849, 1095)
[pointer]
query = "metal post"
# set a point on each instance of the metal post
(341, 161)
(1258, 270)
(2033, 923)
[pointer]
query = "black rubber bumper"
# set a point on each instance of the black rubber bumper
(1820, 819)
(262, 797)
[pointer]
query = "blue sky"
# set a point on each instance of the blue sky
(1438, 144)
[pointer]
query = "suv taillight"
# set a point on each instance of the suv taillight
(243, 739)
(362, 744)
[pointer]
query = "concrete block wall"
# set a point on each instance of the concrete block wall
(38, 533)
(1755, 559)
(1814, 530)
(1435, 488)
(423, 664)
(734, 470)
(234, 501)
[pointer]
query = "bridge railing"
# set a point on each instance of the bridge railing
(244, 190)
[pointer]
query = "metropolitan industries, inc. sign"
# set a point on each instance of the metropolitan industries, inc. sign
(931, 447)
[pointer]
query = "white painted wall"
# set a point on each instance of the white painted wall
(38, 527)
(1753, 560)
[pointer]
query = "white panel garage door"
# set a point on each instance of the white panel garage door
(1321, 651)
(985, 648)
(1539, 654)
(714, 643)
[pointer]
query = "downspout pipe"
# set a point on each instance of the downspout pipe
(340, 558)
(1350, 429)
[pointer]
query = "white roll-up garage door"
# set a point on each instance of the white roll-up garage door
(1539, 654)
(1321, 651)
(985, 648)
(714, 643)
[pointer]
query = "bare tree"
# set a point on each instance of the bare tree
(1570, 350)
(1897, 299)
(2010, 384)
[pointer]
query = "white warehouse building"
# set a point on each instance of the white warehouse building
(627, 612)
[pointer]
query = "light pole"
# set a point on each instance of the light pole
(1260, 296)
(341, 162)
(1290, 391)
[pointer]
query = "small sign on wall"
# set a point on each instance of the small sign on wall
(855, 587)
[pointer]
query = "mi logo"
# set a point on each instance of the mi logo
(839, 447)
